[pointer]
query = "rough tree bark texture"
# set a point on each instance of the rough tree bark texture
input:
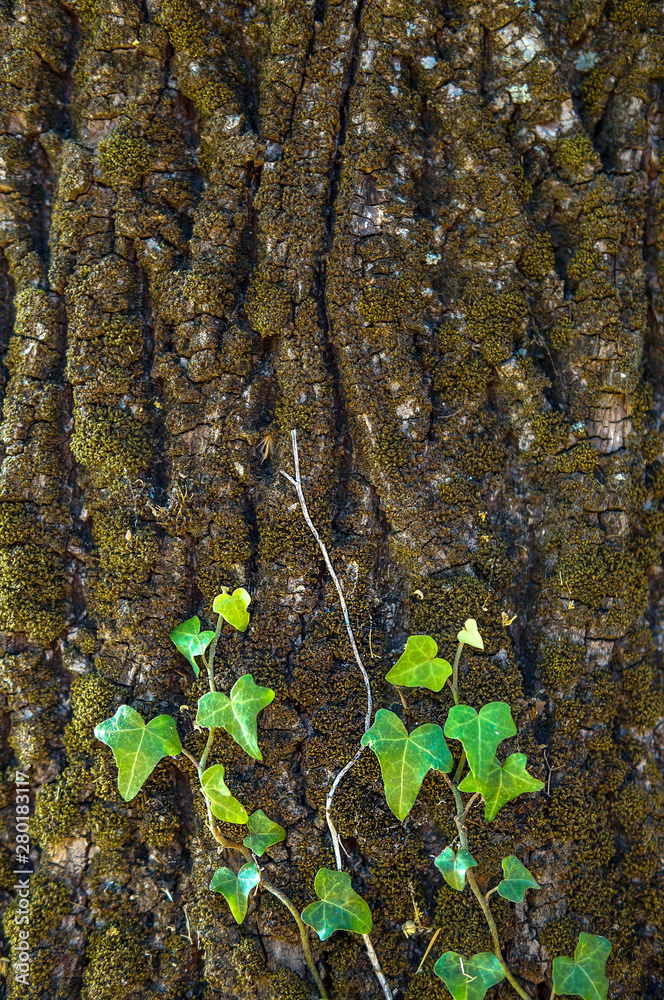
(429, 236)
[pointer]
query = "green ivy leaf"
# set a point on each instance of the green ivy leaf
(233, 608)
(454, 867)
(469, 979)
(502, 784)
(419, 666)
(517, 880)
(470, 635)
(223, 805)
(339, 908)
(191, 641)
(584, 975)
(236, 888)
(237, 714)
(263, 833)
(405, 760)
(138, 748)
(480, 733)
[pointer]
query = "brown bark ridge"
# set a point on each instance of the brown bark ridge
(429, 237)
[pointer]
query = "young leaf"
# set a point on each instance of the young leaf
(517, 880)
(405, 760)
(502, 784)
(223, 805)
(418, 665)
(138, 748)
(584, 975)
(233, 608)
(263, 833)
(339, 908)
(480, 734)
(237, 714)
(470, 635)
(191, 641)
(236, 888)
(469, 979)
(454, 867)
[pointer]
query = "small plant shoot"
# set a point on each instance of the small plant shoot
(405, 760)
(517, 880)
(263, 833)
(236, 888)
(233, 608)
(190, 641)
(339, 908)
(138, 748)
(420, 666)
(583, 976)
(470, 636)
(469, 978)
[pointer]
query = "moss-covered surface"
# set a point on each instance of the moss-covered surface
(432, 241)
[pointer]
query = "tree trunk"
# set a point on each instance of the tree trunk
(428, 236)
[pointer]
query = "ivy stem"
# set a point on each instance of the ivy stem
(486, 910)
(210, 669)
(455, 673)
(233, 845)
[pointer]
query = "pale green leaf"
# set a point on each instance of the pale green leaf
(517, 880)
(237, 714)
(454, 866)
(583, 976)
(236, 888)
(222, 803)
(138, 748)
(502, 784)
(233, 608)
(469, 978)
(191, 641)
(405, 760)
(480, 733)
(419, 666)
(339, 908)
(263, 833)
(470, 635)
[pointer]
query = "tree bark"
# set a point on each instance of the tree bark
(428, 236)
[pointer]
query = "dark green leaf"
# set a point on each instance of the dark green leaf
(480, 733)
(419, 666)
(517, 880)
(501, 784)
(263, 833)
(339, 907)
(454, 867)
(223, 805)
(191, 641)
(405, 760)
(469, 979)
(236, 888)
(237, 714)
(584, 975)
(138, 748)
(233, 608)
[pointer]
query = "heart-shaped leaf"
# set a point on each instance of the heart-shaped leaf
(469, 979)
(454, 867)
(480, 733)
(405, 760)
(233, 608)
(584, 975)
(138, 748)
(191, 641)
(419, 666)
(223, 805)
(237, 714)
(470, 635)
(502, 784)
(517, 880)
(263, 833)
(339, 908)
(236, 888)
